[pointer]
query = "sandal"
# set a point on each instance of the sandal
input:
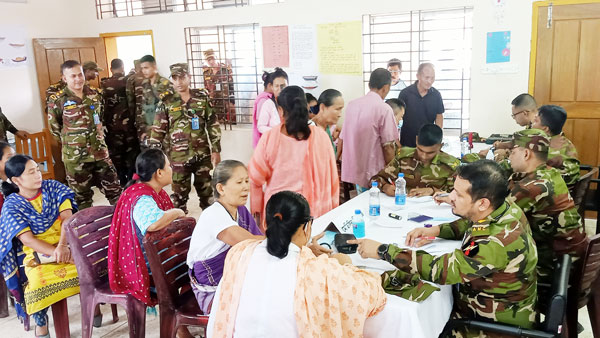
(47, 335)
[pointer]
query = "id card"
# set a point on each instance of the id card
(218, 86)
(96, 118)
(195, 123)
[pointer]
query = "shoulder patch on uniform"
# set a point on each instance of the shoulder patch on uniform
(471, 249)
(450, 160)
(69, 103)
(406, 151)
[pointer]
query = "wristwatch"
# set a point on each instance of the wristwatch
(382, 250)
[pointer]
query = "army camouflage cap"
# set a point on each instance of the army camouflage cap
(91, 65)
(533, 139)
(179, 69)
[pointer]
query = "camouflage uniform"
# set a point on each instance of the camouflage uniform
(147, 97)
(495, 267)
(54, 88)
(562, 155)
(221, 90)
(5, 126)
(544, 197)
(438, 175)
(76, 124)
(119, 121)
(194, 133)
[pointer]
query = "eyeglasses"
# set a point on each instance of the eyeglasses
(521, 112)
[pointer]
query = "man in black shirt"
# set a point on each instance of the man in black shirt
(423, 105)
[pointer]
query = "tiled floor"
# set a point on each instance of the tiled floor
(236, 144)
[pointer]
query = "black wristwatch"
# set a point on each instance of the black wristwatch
(382, 250)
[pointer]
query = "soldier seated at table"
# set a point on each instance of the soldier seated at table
(543, 196)
(495, 267)
(427, 169)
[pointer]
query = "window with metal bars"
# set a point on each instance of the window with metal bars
(123, 8)
(442, 37)
(234, 79)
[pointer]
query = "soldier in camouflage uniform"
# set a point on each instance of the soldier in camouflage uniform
(188, 120)
(147, 95)
(218, 80)
(119, 121)
(543, 195)
(562, 154)
(75, 120)
(495, 268)
(426, 168)
(5, 126)
(133, 79)
(90, 71)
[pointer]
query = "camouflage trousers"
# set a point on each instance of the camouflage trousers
(182, 182)
(123, 150)
(81, 176)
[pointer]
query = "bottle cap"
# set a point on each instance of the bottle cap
(400, 174)
(374, 184)
(357, 212)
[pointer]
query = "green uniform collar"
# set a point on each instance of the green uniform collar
(435, 160)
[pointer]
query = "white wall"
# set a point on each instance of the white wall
(490, 94)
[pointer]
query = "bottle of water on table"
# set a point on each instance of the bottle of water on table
(464, 147)
(374, 205)
(400, 190)
(358, 224)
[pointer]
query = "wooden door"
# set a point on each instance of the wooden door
(49, 55)
(566, 71)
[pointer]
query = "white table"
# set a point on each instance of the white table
(400, 317)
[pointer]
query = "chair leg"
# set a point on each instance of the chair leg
(136, 316)
(168, 325)
(115, 314)
(571, 315)
(593, 307)
(87, 314)
(3, 298)
(60, 316)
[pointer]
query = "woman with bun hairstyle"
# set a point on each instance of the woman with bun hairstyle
(298, 293)
(265, 114)
(34, 252)
(294, 156)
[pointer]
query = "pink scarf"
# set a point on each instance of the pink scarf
(321, 185)
(258, 102)
(127, 272)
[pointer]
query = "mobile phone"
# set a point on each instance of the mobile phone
(420, 218)
(394, 216)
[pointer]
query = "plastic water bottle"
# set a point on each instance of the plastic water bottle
(374, 205)
(358, 224)
(464, 147)
(400, 190)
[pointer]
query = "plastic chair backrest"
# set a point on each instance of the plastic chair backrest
(589, 271)
(38, 146)
(167, 250)
(88, 232)
(557, 305)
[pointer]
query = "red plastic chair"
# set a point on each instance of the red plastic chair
(88, 233)
(167, 253)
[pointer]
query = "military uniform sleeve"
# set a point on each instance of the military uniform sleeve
(390, 172)
(570, 173)
(454, 230)
(55, 119)
(483, 259)
(7, 125)
(214, 129)
(160, 126)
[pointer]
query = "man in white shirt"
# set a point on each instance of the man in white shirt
(394, 66)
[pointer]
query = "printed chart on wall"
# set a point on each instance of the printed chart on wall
(340, 48)
(304, 69)
(13, 47)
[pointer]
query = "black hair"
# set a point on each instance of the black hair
(396, 103)
(222, 173)
(14, 167)
(525, 101)
(286, 211)
(147, 163)
(147, 58)
(423, 65)
(395, 62)
(68, 65)
(328, 96)
(268, 78)
(553, 117)
(379, 78)
(295, 113)
(116, 63)
(487, 180)
(430, 134)
(310, 97)
(3, 146)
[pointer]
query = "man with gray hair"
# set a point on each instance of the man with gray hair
(423, 105)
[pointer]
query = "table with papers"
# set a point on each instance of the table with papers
(400, 317)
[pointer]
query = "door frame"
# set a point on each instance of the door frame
(534, 31)
(113, 35)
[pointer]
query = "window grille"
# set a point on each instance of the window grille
(123, 8)
(442, 37)
(238, 46)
